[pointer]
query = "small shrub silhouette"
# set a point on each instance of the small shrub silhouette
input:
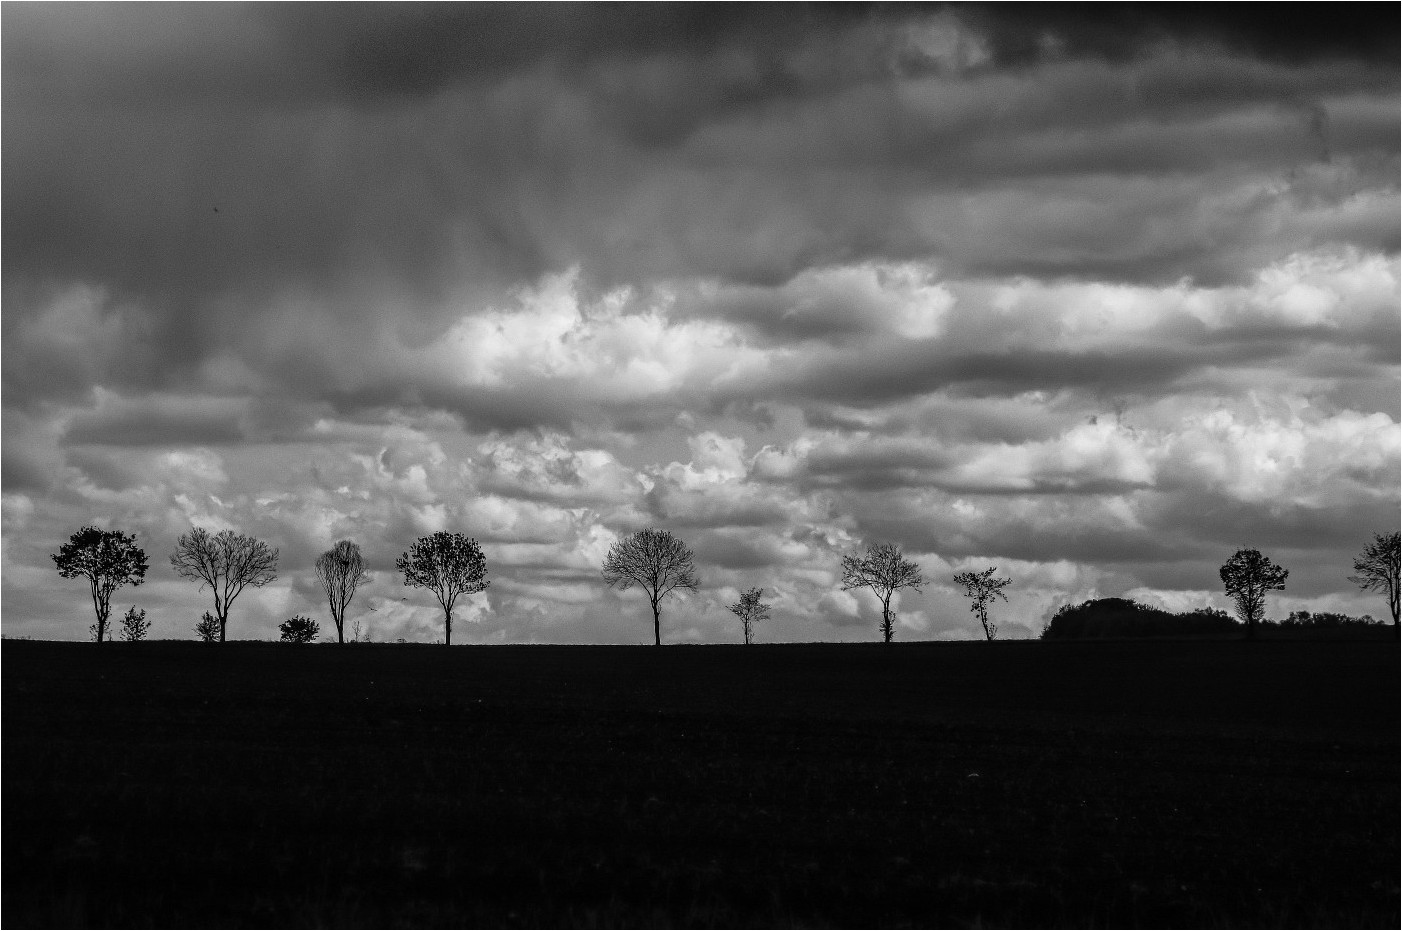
(208, 628)
(299, 630)
(134, 625)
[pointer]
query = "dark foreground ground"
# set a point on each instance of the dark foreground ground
(960, 784)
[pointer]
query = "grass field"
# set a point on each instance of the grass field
(957, 784)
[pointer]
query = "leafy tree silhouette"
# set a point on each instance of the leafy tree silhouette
(449, 565)
(134, 625)
(299, 629)
(1377, 568)
(655, 561)
(981, 588)
(207, 628)
(885, 571)
(108, 559)
(750, 610)
(228, 562)
(1248, 577)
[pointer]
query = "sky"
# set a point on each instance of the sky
(1097, 295)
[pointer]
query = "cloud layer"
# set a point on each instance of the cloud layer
(1095, 300)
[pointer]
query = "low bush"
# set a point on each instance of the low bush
(299, 630)
(134, 625)
(208, 628)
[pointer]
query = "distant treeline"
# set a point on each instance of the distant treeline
(1121, 617)
(1324, 619)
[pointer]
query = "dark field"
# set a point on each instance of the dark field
(1088, 784)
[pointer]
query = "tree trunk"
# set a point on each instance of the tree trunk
(99, 609)
(448, 627)
(223, 622)
(656, 625)
(886, 620)
(340, 622)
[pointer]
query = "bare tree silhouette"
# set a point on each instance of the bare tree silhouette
(655, 561)
(1248, 577)
(228, 562)
(1377, 568)
(341, 570)
(885, 571)
(982, 589)
(750, 610)
(108, 559)
(447, 564)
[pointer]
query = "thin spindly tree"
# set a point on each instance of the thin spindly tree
(341, 570)
(982, 589)
(885, 571)
(750, 610)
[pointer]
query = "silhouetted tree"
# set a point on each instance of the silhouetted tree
(981, 588)
(655, 561)
(447, 564)
(1248, 576)
(750, 610)
(885, 571)
(135, 625)
(1377, 568)
(341, 570)
(108, 559)
(299, 629)
(227, 562)
(207, 628)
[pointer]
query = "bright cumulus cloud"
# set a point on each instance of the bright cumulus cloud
(1097, 302)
